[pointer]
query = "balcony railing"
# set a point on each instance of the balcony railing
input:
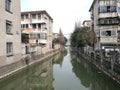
(42, 41)
(38, 41)
(107, 15)
(27, 30)
(34, 21)
(109, 39)
(37, 21)
(108, 21)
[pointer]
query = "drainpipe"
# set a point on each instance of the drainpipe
(101, 55)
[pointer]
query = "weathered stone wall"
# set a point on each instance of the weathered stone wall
(27, 60)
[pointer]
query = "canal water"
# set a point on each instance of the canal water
(64, 71)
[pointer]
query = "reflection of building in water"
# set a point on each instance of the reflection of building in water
(89, 76)
(42, 77)
(58, 59)
(36, 77)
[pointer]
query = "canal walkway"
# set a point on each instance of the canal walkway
(8, 70)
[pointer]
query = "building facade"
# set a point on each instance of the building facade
(105, 22)
(38, 24)
(10, 36)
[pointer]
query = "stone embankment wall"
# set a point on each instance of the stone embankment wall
(109, 66)
(6, 71)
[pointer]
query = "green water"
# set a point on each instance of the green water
(65, 71)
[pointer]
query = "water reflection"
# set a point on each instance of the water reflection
(91, 78)
(64, 71)
(36, 77)
(58, 59)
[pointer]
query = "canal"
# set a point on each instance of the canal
(64, 71)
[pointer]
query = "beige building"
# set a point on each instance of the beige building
(105, 22)
(10, 36)
(38, 24)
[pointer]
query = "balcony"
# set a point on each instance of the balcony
(42, 38)
(34, 21)
(107, 40)
(25, 21)
(38, 38)
(108, 21)
(32, 41)
(27, 30)
(42, 41)
(108, 36)
(107, 15)
(30, 30)
(37, 41)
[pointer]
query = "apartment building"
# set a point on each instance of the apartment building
(10, 36)
(105, 22)
(38, 24)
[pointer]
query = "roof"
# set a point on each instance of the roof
(86, 21)
(34, 12)
(94, 1)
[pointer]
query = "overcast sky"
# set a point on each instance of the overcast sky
(63, 12)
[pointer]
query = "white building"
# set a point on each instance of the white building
(38, 24)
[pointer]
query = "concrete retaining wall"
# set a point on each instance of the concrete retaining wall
(104, 67)
(6, 71)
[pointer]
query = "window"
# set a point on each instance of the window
(119, 10)
(8, 5)
(22, 17)
(103, 33)
(43, 36)
(34, 26)
(33, 36)
(24, 25)
(102, 9)
(39, 16)
(113, 9)
(39, 26)
(108, 33)
(105, 9)
(33, 16)
(26, 16)
(113, 33)
(8, 26)
(9, 48)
